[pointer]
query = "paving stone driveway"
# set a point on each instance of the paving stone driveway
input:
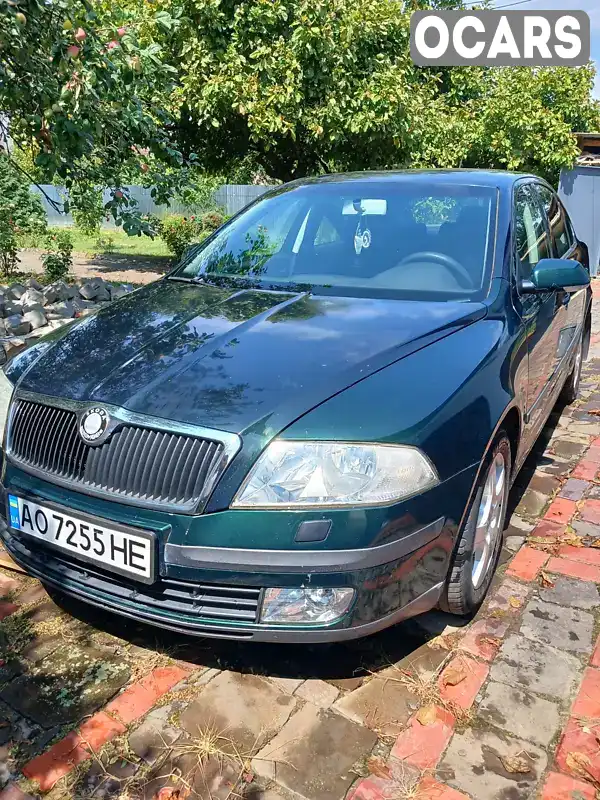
(505, 708)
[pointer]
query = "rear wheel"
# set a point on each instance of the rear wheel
(570, 390)
(480, 541)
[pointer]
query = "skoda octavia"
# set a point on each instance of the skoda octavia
(308, 430)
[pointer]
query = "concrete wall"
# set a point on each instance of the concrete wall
(231, 197)
(580, 192)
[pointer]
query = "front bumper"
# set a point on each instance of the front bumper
(207, 590)
(159, 606)
(76, 580)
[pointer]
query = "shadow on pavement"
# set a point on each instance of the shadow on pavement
(117, 262)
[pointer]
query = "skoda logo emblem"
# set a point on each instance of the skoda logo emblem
(93, 424)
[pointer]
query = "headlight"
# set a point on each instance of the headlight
(6, 390)
(301, 474)
(305, 605)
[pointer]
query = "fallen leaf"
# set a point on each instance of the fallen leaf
(169, 793)
(515, 602)
(378, 767)
(542, 540)
(493, 641)
(578, 763)
(427, 715)
(453, 675)
(4, 724)
(595, 412)
(552, 549)
(516, 764)
(595, 543)
(572, 539)
(546, 581)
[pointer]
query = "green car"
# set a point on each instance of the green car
(308, 430)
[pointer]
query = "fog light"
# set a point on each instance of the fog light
(305, 605)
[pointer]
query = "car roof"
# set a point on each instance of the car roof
(499, 179)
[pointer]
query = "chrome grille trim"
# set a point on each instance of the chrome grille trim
(145, 461)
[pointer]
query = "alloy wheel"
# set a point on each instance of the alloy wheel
(490, 517)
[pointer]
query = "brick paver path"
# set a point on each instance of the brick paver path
(504, 708)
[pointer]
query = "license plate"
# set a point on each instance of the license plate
(124, 551)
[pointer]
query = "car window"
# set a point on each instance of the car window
(531, 235)
(413, 238)
(560, 230)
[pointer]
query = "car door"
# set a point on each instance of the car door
(564, 245)
(542, 312)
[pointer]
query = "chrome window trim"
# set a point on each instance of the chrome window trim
(231, 443)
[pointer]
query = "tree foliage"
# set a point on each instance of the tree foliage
(311, 85)
(84, 89)
(105, 94)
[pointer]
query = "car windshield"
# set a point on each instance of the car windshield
(407, 239)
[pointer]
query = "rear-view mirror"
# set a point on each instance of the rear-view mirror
(554, 274)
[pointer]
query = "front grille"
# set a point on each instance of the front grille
(154, 467)
(175, 604)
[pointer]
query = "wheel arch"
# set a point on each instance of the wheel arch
(511, 423)
(587, 333)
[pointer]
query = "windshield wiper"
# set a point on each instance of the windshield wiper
(183, 279)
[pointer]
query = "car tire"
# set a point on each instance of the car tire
(476, 554)
(570, 390)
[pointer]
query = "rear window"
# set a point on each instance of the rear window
(408, 239)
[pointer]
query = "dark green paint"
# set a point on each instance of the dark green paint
(441, 376)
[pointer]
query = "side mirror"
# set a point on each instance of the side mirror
(557, 274)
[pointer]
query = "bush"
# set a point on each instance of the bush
(26, 209)
(105, 243)
(21, 213)
(87, 208)
(178, 233)
(212, 220)
(58, 260)
(8, 243)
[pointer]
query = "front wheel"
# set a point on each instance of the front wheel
(478, 548)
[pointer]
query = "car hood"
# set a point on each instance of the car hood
(234, 360)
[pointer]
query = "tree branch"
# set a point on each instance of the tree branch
(55, 205)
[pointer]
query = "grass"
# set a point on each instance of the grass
(106, 243)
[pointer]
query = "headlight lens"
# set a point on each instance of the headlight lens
(305, 605)
(301, 474)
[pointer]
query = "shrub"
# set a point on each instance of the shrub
(58, 260)
(27, 211)
(21, 213)
(8, 243)
(212, 220)
(87, 208)
(106, 243)
(178, 233)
